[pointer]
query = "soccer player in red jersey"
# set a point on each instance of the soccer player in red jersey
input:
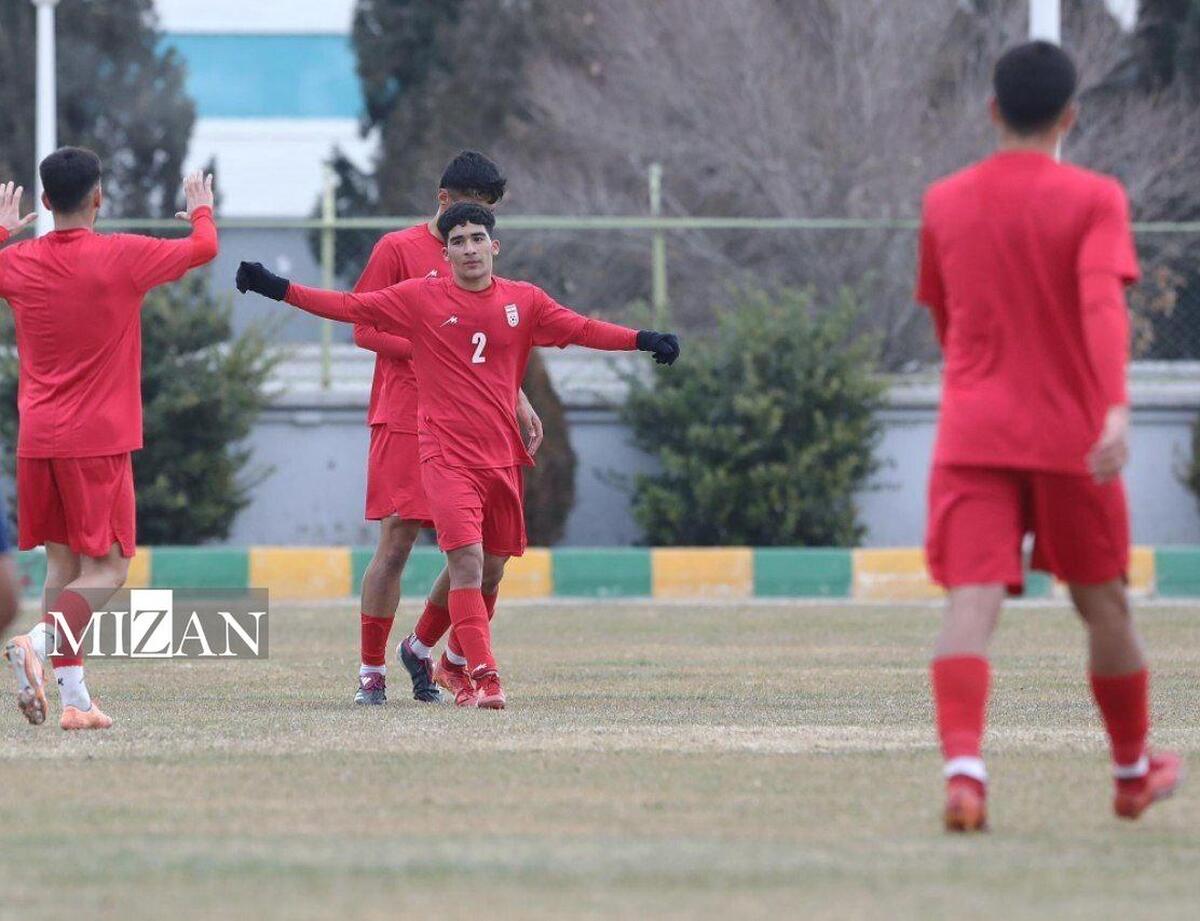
(76, 298)
(471, 336)
(395, 496)
(1023, 265)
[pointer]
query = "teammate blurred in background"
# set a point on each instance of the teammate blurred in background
(1023, 264)
(76, 298)
(395, 496)
(471, 336)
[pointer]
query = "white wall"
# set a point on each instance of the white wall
(255, 16)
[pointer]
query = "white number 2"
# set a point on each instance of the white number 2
(480, 342)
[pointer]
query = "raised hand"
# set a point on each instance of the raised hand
(197, 192)
(664, 346)
(10, 209)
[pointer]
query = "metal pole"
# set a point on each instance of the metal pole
(46, 105)
(328, 253)
(658, 250)
(1045, 20)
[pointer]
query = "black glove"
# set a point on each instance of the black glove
(251, 276)
(665, 346)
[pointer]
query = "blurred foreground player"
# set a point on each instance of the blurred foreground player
(395, 496)
(1023, 264)
(471, 336)
(76, 298)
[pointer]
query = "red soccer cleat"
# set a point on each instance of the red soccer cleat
(966, 804)
(491, 695)
(454, 678)
(1134, 797)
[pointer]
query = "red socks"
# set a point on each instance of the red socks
(489, 602)
(960, 694)
(76, 612)
(432, 625)
(375, 631)
(469, 615)
(1124, 702)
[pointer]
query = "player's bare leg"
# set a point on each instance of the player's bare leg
(380, 598)
(1121, 686)
(27, 653)
(960, 675)
(469, 615)
(99, 579)
(10, 593)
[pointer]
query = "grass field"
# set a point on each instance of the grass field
(656, 761)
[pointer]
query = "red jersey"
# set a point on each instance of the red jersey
(398, 256)
(1009, 251)
(76, 298)
(470, 349)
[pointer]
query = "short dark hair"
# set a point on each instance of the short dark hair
(68, 177)
(465, 212)
(472, 174)
(1034, 83)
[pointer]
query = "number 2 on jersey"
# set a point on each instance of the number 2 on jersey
(480, 342)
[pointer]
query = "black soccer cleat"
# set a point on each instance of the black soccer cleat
(421, 672)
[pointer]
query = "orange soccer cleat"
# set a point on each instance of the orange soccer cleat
(491, 695)
(31, 693)
(454, 678)
(966, 805)
(73, 718)
(1165, 774)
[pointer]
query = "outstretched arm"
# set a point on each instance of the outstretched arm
(388, 309)
(561, 326)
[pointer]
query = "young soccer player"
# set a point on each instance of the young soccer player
(1023, 264)
(395, 496)
(76, 298)
(471, 336)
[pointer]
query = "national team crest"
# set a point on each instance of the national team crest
(510, 311)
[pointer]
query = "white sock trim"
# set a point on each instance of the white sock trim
(1140, 768)
(418, 647)
(372, 670)
(965, 766)
(455, 660)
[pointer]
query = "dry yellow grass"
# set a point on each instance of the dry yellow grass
(657, 761)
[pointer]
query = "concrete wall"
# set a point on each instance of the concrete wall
(317, 444)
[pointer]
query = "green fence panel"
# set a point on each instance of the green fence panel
(199, 567)
(623, 572)
(1177, 572)
(802, 572)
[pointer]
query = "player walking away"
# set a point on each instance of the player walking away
(76, 298)
(395, 496)
(1023, 264)
(471, 336)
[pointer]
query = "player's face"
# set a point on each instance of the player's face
(471, 250)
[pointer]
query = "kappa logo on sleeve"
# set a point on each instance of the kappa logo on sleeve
(510, 311)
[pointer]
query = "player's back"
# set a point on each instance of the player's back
(1004, 244)
(76, 298)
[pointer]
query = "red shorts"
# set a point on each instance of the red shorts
(979, 516)
(86, 503)
(477, 505)
(394, 477)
